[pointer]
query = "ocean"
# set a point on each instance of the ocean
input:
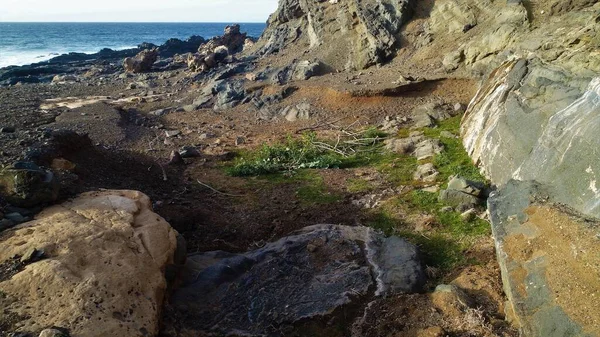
(26, 43)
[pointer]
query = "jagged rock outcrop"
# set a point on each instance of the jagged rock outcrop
(93, 266)
(532, 129)
(217, 50)
(312, 274)
(349, 34)
(530, 122)
(141, 62)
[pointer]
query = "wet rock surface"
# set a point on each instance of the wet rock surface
(319, 271)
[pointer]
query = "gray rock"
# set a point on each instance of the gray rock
(455, 198)
(426, 173)
(452, 61)
(427, 115)
(296, 112)
(330, 28)
(142, 62)
(15, 217)
(53, 333)
(316, 270)
(523, 217)
(428, 148)
(229, 94)
(543, 125)
(306, 69)
(6, 224)
(172, 133)
(405, 145)
(32, 255)
(447, 134)
(466, 186)
(189, 152)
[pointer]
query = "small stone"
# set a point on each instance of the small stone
(426, 173)
(52, 333)
(469, 215)
(160, 112)
(6, 224)
(32, 255)
(15, 217)
(431, 189)
(7, 129)
(62, 164)
(189, 152)
(458, 107)
(447, 209)
(450, 300)
(447, 134)
(239, 141)
(175, 158)
(172, 133)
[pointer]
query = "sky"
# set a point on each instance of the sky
(136, 10)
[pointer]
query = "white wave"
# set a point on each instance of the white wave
(21, 58)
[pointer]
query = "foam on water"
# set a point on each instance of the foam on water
(26, 43)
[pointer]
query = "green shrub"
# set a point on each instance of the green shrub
(288, 156)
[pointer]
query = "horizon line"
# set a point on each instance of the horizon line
(225, 22)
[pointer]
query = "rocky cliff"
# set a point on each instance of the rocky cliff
(350, 34)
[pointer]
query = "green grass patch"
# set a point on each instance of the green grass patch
(383, 220)
(454, 160)
(451, 222)
(359, 186)
(293, 154)
(308, 152)
(438, 250)
(399, 169)
(313, 191)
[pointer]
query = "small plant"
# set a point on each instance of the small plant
(356, 149)
(291, 155)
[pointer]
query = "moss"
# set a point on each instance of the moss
(359, 186)
(399, 169)
(383, 220)
(438, 250)
(313, 191)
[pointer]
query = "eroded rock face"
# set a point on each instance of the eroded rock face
(536, 123)
(349, 34)
(94, 266)
(548, 255)
(308, 275)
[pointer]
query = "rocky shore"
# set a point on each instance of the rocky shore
(365, 168)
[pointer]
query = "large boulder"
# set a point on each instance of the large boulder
(533, 122)
(348, 34)
(549, 261)
(142, 62)
(93, 266)
(308, 276)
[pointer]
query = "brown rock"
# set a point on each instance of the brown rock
(102, 273)
(62, 164)
(141, 62)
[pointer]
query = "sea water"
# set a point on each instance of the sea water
(26, 43)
